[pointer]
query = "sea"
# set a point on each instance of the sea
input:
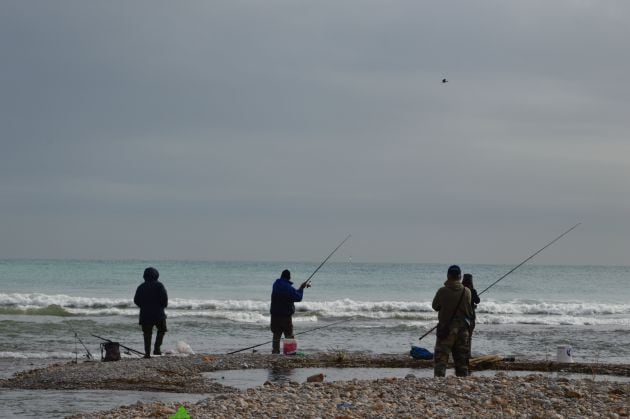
(58, 310)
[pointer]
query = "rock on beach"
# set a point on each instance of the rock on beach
(533, 396)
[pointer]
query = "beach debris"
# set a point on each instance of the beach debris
(345, 405)
(184, 348)
(485, 360)
(317, 378)
(181, 413)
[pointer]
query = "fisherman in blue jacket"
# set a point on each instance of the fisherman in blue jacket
(283, 297)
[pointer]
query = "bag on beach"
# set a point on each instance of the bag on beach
(442, 331)
(417, 352)
(112, 351)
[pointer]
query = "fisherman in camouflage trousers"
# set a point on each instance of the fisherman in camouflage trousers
(453, 304)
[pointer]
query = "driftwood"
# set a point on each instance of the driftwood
(485, 360)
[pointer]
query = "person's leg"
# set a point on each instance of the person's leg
(287, 327)
(443, 347)
(460, 352)
(277, 330)
(161, 330)
(147, 332)
(470, 333)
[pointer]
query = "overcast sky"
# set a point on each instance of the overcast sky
(269, 130)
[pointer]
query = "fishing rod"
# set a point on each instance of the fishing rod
(514, 268)
(531, 257)
(76, 336)
(301, 333)
(122, 346)
(325, 260)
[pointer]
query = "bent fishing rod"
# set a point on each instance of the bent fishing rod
(301, 333)
(122, 346)
(325, 260)
(514, 268)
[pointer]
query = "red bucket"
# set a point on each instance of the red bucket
(289, 347)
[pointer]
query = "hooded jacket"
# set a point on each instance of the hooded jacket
(445, 302)
(152, 299)
(283, 295)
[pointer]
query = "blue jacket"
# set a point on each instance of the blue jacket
(283, 295)
(152, 299)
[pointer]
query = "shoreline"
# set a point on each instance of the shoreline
(533, 395)
(183, 374)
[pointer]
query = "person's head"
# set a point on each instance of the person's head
(151, 274)
(286, 274)
(453, 272)
(467, 281)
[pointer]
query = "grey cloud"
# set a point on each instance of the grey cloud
(282, 122)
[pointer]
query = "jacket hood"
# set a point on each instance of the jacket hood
(151, 274)
(453, 284)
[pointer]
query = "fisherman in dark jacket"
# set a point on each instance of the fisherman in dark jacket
(152, 299)
(283, 297)
(475, 300)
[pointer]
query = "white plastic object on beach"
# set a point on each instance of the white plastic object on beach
(564, 353)
(184, 348)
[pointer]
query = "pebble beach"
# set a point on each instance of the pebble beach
(538, 394)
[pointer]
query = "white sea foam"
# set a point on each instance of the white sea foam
(257, 311)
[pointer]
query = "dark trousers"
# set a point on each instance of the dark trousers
(147, 331)
(280, 325)
(470, 333)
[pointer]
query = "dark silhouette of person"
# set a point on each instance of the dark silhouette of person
(152, 299)
(467, 281)
(283, 297)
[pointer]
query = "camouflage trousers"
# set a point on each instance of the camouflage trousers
(456, 343)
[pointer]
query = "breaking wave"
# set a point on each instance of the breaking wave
(256, 311)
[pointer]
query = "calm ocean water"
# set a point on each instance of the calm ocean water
(217, 307)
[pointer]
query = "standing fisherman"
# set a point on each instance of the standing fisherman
(152, 299)
(453, 304)
(475, 300)
(283, 297)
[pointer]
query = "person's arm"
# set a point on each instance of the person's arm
(475, 297)
(436, 302)
(297, 294)
(164, 297)
(137, 298)
(294, 295)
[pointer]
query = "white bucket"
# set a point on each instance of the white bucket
(564, 353)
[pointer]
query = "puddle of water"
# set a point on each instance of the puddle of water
(59, 404)
(244, 379)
